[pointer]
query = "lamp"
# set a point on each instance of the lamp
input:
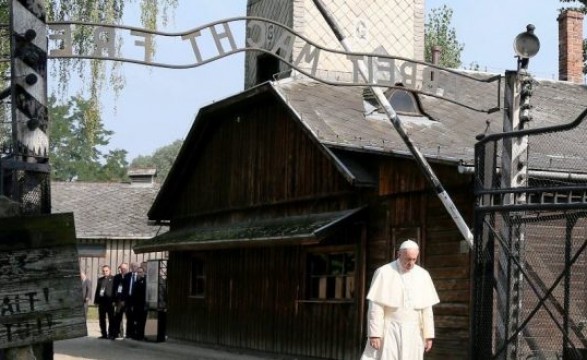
(526, 45)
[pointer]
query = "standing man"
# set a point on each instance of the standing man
(139, 304)
(120, 286)
(86, 291)
(130, 297)
(400, 318)
(104, 298)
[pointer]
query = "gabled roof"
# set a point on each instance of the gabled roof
(336, 117)
(106, 210)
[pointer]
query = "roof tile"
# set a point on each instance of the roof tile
(106, 210)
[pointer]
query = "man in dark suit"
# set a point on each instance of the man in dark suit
(129, 310)
(120, 286)
(104, 298)
(86, 291)
(139, 304)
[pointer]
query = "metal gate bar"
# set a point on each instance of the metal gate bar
(545, 295)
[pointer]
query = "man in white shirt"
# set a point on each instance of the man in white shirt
(400, 318)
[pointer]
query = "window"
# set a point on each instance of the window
(404, 102)
(198, 278)
(331, 275)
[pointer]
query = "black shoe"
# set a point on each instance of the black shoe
(112, 337)
(103, 337)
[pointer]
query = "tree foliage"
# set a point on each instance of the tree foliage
(74, 149)
(162, 159)
(116, 166)
(99, 73)
(438, 31)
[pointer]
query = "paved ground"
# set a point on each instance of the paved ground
(90, 347)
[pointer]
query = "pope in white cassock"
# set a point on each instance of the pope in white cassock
(400, 319)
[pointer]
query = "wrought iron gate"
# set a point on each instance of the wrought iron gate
(530, 274)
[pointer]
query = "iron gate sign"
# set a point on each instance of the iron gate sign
(40, 287)
(276, 39)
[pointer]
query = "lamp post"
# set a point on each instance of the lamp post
(518, 90)
(28, 166)
(526, 46)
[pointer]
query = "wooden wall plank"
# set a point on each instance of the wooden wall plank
(256, 149)
(262, 311)
(117, 251)
(39, 282)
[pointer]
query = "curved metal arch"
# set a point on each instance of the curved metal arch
(306, 39)
(286, 61)
(300, 70)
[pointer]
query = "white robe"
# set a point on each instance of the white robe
(400, 313)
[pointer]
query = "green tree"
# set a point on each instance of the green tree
(438, 31)
(74, 149)
(99, 73)
(162, 159)
(116, 166)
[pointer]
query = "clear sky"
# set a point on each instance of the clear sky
(488, 28)
(158, 105)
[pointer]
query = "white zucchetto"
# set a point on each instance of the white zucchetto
(409, 244)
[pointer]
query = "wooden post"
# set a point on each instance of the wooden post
(514, 175)
(9, 208)
(30, 143)
(39, 283)
(29, 79)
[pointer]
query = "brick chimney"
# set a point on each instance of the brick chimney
(570, 46)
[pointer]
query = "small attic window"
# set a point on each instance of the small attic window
(404, 102)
